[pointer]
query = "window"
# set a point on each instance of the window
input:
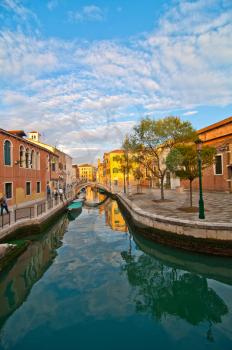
(53, 166)
(38, 187)
(28, 188)
(28, 160)
(37, 161)
(218, 165)
(7, 152)
(33, 159)
(8, 190)
(22, 157)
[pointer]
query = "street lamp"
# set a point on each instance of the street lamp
(199, 143)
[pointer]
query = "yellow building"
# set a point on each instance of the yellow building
(87, 172)
(115, 173)
(100, 172)
(114, 217)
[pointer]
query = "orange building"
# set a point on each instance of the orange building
(25, 168)
(217, 177)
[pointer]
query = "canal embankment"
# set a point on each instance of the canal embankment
(160, 222)
(33, 218)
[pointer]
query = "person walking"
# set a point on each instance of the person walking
(61, 192)
(3, 203)
(48, 191)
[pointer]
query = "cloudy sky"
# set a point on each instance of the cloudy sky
(84, 72)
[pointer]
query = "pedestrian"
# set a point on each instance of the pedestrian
(61, 192)
(3, 202)
(64, 191)
(48, 191)
(55, 193)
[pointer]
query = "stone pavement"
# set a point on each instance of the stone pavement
(218, 205)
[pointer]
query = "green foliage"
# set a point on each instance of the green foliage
(151, 140)
(183, 160)
(164, 133)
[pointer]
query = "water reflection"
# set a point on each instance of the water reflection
(17, 281)
(114, 217)
(118, 286)
(162, 290)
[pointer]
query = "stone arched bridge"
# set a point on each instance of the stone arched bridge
(100, 186)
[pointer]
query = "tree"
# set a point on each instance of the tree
(127, 159)
(183, 161)
(151, 141)
(125, 166)
(138, 175)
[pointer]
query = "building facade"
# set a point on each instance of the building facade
(61, 164)
(100, 172)
(25, 168)
(118, 170)
(217, 177)
(87, 172)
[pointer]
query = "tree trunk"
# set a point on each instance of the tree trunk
(128, 172)
(162, 187)
(191, 193)
(124, 181)
(127, 182)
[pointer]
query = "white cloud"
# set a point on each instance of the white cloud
(190, 113)
(87, 13)
(17, 8)
(82, 94)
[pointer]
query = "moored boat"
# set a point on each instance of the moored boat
(76, 204)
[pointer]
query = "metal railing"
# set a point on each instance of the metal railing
(41, 208)
(33, 211)
(4, 220)
(24, 213)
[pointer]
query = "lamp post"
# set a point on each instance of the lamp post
(198, 143)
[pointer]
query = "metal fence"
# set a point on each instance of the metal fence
(24, 213)
(41, 208)
(4, 220)
(31, 211)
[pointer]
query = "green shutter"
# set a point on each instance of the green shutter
(7, 155)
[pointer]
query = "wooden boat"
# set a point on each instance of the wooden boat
(73, 214)
(76, 204)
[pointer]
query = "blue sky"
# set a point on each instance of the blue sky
(84, 72)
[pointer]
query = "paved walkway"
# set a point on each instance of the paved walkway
(218, 206)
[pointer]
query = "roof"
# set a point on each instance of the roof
(19, 133)
(85, 165)
(47, 146)
(30, 132)
(8, 133)
(115, 151)
(215, 125)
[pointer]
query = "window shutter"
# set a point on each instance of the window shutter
(7, 155)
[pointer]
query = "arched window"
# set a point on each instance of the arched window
(28, 158)
(7, 153)
(37, 160)
(33, 164)
(22, 157)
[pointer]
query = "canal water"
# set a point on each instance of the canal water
(89, 283)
